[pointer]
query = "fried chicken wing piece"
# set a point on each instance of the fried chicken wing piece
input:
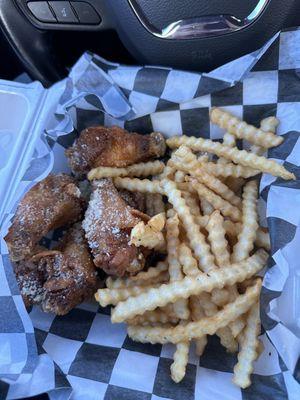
(59, 279)
(112, 147)
(51, 203)
(108, 223)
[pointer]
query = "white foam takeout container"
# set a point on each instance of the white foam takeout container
(25, 111)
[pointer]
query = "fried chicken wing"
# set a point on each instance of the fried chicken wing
(108, 222)
(112, 147)
(51, 203)
(59, 279)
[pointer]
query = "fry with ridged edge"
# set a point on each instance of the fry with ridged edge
(216, 237)
(247, 234)
(238, 156)
(118, 283)
(141, 169)
(169, 293)
(242, 130)
(197, 313)
(266, 124)
(192, 203)
(172, 228)
(187, 260)
(248, 349)
(181, 356)
(229, 170)
(114, 296)
(227, 209)
(138, 185)
(228, 140)
(196, 238)
(206, 326)
(234, 228)
(163, 315)
(185, 160)
(210, 309)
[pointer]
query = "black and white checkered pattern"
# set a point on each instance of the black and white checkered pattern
(83, 353)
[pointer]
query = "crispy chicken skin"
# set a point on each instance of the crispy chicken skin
(108, 222)
(59, 279)
(112, 147)
(51, 203)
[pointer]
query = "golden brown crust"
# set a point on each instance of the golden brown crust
(112, 147)
(51, 203)
(107, 224)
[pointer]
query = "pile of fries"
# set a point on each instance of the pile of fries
(204, 218)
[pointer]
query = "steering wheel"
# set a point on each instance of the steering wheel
(187, 34)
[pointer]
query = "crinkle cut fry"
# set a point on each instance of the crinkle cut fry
(196, 238)
(197, 329)
(248, 349)
(121, 283)
(247, 235)
(172, 226)
(138, 185)
(225, 335)
(242, 130)
(216, 237)
(238, 156)
(188, 262)
(169, 293)
(141, 169)
(163, 315)
(185, 160)
(227, 209)
(197, 313)
(233, 229)
(114, 296)
(228, 140)
(229, 170)
(181, 356)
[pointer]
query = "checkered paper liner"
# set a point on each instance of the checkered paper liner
(82, 355)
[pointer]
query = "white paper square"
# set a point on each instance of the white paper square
(167, 122)
(180, 86)
(13, 352)
(288, 115)
(124, 76)
(134, 371)
(198, 102)
(291, 200)
(218, 133)
(260, 88)
(292, 386)
(86, 389)
(212, 384)
(104, 333)
(61, 350)
(143, 103)
(289, 50)
(294, 156)
(28, 385)
(287, 344)
(4, 288)
(267, 363)
(40, 319)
